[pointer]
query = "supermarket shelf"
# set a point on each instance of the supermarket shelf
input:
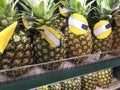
(114, 85)
(39, 76)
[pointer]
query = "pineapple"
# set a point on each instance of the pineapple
(104, 12)
(18, 51)
(104, 77)
(103, 40)
(71, 84)
(49, 42)
(79, 41)
(89, 81)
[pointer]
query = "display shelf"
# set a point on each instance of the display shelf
(70, 67)
(115, 84)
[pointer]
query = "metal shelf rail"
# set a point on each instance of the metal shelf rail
(37, 75)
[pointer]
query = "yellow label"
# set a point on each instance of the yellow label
(78, 24)
(5, 36)
(26, 24)
(80, 17)
(102, 29)
(76, 31)
(50, 35)
(63, 11)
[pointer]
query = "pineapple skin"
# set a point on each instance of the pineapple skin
(45, 53)
(116, 29)
(89, 81)
(116, 37)
(104, 77)
(78, 45)
(72, 84)
(17, 53)
(101, 45)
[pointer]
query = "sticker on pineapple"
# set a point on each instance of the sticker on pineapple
(102, 29)
(78, 24)
(26, 24)
(63, 11)
(5, 36)
(51, 36)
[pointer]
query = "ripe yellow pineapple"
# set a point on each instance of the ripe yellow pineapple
(49, 42)
(18, 51)
(77, 32)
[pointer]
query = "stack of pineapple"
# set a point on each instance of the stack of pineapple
(50, 43)
(18, 51)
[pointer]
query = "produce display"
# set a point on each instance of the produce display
(47, 31)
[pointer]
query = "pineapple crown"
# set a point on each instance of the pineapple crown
(7, 7)
(76, 6)
(41, 9)
(39, 12)
(105, 8)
